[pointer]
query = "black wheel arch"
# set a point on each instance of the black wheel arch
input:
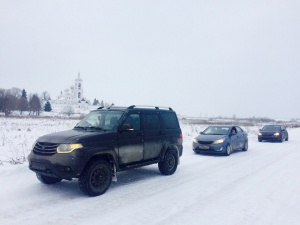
(166, 149)
(109, 155)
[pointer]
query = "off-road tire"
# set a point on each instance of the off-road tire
(169, 164)
(96, 178)
(47, 180)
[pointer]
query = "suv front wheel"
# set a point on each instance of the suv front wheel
(96, 178)
(168, 165)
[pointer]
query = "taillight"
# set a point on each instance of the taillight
(180, 135)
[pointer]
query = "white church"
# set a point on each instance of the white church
(71, 97)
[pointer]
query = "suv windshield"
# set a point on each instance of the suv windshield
(100, 120)
(216, 130)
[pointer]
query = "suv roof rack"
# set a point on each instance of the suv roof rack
(149, 106)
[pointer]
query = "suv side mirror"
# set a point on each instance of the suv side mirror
(126, 127)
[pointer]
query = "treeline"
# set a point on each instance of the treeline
(16, 99)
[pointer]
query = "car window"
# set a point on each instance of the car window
(100, 119)
(151, 122)
(169, 120)
(239, 130)
(133, 121)
(216, 130)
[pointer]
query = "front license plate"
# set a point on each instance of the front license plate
(203, 147)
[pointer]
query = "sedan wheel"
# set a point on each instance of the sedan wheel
(228, 150)
(281, 139)
(245, 148)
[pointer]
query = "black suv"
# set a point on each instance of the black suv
(107, 141)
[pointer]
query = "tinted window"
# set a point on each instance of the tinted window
(133, 120)
(169, 120)
(151, 122)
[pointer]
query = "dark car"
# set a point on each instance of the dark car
(107, 141)
(273, 133)
(221, 140)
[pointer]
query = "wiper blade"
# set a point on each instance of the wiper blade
(96, 128)
(80, 127)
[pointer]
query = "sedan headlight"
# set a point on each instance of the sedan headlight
(276, 134)
(219, 141)
(259, 134)
(67, 148)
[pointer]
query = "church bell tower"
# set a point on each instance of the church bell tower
(78, 92)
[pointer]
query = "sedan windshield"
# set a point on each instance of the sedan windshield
(271, 128)
(100, 120)
(219, 130)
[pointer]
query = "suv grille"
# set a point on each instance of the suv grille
(44, 148)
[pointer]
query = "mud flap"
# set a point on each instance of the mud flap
(114, 177)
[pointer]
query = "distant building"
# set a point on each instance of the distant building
(72, 96)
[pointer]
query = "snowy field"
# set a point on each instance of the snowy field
(260, 186)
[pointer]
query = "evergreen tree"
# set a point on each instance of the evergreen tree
(47, 107)
(23, 102)
(24, 94)
(96, 102)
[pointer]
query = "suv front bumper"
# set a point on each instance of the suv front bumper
(63, 166)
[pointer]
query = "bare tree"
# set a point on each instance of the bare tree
(68, 110)
(35, 105)
(46, 96)
(23, 104)
(9, 102)
(2, 95)
(16, 92)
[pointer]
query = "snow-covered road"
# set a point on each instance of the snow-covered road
(260, 186)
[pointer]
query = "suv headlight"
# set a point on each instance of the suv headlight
(259, 134)
(67, 148)
(195, 140)
(219, 141)
(276, 134)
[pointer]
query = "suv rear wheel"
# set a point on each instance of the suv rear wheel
(96, 178)
(47, 180)
(168, 165)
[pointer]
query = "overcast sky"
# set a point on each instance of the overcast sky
(213, 58)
